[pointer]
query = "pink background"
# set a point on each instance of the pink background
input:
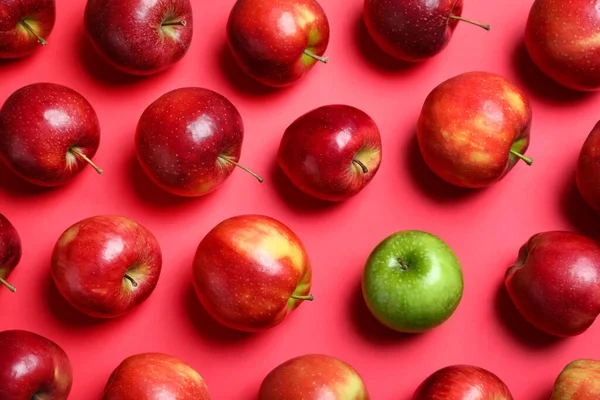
(485, 228)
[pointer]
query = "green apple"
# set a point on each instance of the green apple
(412, 281)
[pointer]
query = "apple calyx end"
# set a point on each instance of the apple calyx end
(40, 40)
(310, 297)
(131, 280)
(484, 26)
(8, 285)
(229, 160)
(527, 160)
(364, 168)
(309, 53)
(85, 158)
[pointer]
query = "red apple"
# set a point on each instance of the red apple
(277, 42)
(250, 272)
(474, 128)
(331, 152)
(579, 380)
(33, 367)
(462, 382)
(24, 26)
(588, 169)
(313, 377)
(563, 41)
(48, 133)
(10, 251)
(189, 141)
(555, 282)
(106, 265)
(140, 37)
(413, 30)
(155, 376)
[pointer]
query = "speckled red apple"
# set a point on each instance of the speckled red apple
(588, 169)
(10, 251)
(24, 26)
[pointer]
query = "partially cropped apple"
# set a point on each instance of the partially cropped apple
(10, 251)
(588, 169)
(332, 152)
(24, 26)
(579, 380)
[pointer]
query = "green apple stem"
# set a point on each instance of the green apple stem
(30, 29)
(484, 26)
(86, 159)
(361, 165)
(527, 160)
(130, 279)
(310, 297)
(172, 23)
(309, 53)
(261, 180)
(8, 285)
(403, 264)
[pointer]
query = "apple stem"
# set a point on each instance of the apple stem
(181, 23)
(130, 279)
(310, 297)
(30, 29)
(86, 159)
(309, 53)
(261, 180)
(8, 285)
(527, 160)
(403, 264)
(361, 165)
(484, 26)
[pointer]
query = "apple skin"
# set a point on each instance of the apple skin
(412, 281)
(562, 40)
(10, 250)
(579, 380)
(267, 38)
(16, 40)
(588, 169)
(41, 127)
(468, 126)
(313, 377)
(251, 272)
(131, 35)
(33, 365)
(93, 258)
(462, 382)
(155, 376)
(317, 152)
(555, 282)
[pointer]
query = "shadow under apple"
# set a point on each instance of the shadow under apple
(545, 395)
(15, 186)
(578, 212)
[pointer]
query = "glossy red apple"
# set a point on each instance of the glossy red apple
(140, 37)
(155, 376)
(563, 40)
(555, 282)
(588, 169)
(189, 141)
(332, 152)
(24, 26)
(579, 380)
(48, 134)
(474, 128)
(462, 382)
(10, 251)
(106, 265)
(313, 377)
(413, 30)
(250, 272)
(277, 42)
(33, 367)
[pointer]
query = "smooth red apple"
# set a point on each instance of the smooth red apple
(563, 40)
(332, 152)
(555, 282)
(250, 272)
(462, 382)
(140, 37)
(106, 265)
(579, 380)
(155, 376)
(474, 128)
(313, 377)
(33, 367)
(413, 30)
(24, 26)
(189, 141)
(10, 250)
(588, 169)
(48, 134)
(277, 42)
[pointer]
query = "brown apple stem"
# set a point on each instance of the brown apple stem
(8, 285)
(172, 23)
(527, 160)
(403, 264)
(361, 165)
(484, 26)
(30, 29)
(86, 159)
(130, 279)
(261, 180)
(309, 53)
(310, 297)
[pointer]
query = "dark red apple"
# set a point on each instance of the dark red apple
(462, 382)
(189, 141)
(48, 133)
(140, 37)
(24, 26)
(588, 169)
(106, 265)
(155, 376)
(33, 367)
(474, 128)
(277, 42)
(313, 377)
(555, 282)
(250, 272)
(563, 40)
(579, 380)
(10, 251)
(413, 30)
(331, 152)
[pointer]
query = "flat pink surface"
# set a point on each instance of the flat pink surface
(485, 228)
